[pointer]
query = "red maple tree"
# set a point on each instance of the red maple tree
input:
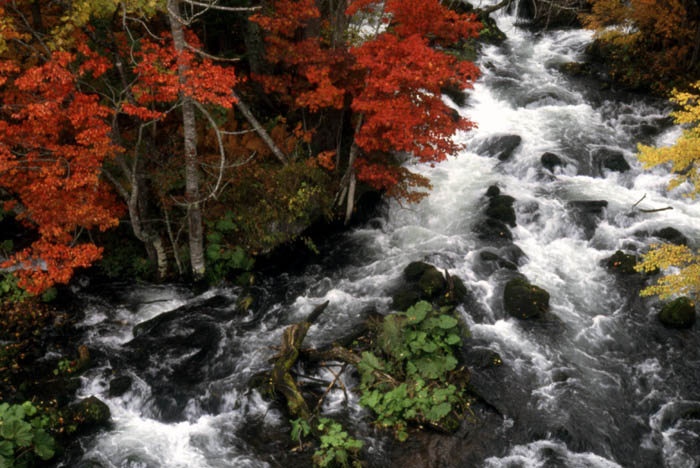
(390, 79)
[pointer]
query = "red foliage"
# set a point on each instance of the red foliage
(158, 81)
(392, 80)
(53, 141)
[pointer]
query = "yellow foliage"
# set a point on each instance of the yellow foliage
(683, 264)
(680, 264)
(684, 155)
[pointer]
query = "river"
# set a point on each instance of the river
(603, 385)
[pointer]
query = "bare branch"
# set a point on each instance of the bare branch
(214, 6)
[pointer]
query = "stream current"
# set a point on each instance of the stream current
(604, 385)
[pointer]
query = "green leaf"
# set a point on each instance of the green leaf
(225, 223)
(6, 462)
(453, 339)
(214, 238)
(438, 412)
(417, 312)
(214, 251)
(43, 444)
(371, 360)
(6, 449)
(17, 430)
(445, 322)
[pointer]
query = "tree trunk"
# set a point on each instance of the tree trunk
(194, 210)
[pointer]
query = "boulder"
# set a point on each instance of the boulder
(89, 415)
(679, 313)
(500, 146)
(120, 385)
(415, 270)
(493, 230)
(501, 208)
(611, 160)
(587, 213)
(482, 358)
(405, 298)
(493, 191)
(524, 300)
(550, 161)
(432, 283)
(671, 235)
(622, 263)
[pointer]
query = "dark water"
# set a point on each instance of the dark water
(601, 384)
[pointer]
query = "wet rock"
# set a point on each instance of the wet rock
(679, 313)
(493, 230)
(90, 414)
(432, 283)
(490, 262)
(588, 213)
(483, 358)
(524, 300)
(501, 146)
(550, 161)
(458, 96)
(455, 291)
(415, 270)
(120, 385)
(405, 298)
(622, 263)
(501, 208)
(493, 191)
(611, 160)
(671, 235)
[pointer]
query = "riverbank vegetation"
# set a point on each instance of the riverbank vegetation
(210, 132)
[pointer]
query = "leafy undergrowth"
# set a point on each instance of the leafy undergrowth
(412, 376)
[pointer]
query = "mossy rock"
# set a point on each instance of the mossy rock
(414, 271)
(493, 191)
(454, 295)
(679, 313)
(89, 415)
(483, 358)
(405, 298)
(501, 208)
(622, 263)
(524, 300)
(432, 283)
(550, 161)
(493, 230)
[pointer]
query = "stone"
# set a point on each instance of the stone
(483, 358)
(405, 298)
(611, 160)
(120, 385)
(493, 230)
(501, 208)
(415, 270)
(432, 283)
(679, 313)
(90, 414)
(500, 146)
(550, 161)
(587, 213)
(524, 300)
(622, 263)
(493, 191)
(671, 235)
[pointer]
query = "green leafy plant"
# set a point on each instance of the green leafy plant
(222, 257)
(23, 436)
(413, 373)
(9, 289)
(337, 447)
(65, 367)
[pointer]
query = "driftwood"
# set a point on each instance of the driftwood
(281, 377)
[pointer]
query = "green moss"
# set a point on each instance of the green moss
(679, 313)
(524, 300)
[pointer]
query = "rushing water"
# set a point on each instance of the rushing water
(605, 385)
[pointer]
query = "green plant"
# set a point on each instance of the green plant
(413, 374)
(337, 447)
(9, 289)
(65, 367)
(222, 257)
(23, 436)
